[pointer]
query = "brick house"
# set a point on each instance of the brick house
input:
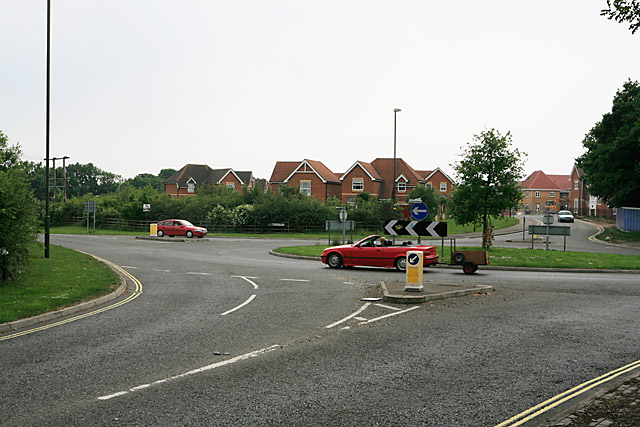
(581, 202)
(540, 193)
(360, 178)
(186, 181)
(405, 180)
(311, 177)
(439, 180)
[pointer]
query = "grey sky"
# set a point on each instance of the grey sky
(142, 85)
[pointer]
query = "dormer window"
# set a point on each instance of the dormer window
(191, 187)
(402, 187)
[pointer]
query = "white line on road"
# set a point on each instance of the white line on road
(295, 280)
(193, 372)
(161, 271)
(392, 314)
(198, 274)
(240, 306)
(349, 316)
(128, 266)
(247, 278)
(388, 306)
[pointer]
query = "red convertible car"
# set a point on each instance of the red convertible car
(376, 251)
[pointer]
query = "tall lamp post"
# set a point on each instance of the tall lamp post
(393, 190)
(47, 218)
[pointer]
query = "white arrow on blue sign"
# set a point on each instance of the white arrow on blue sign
(419, 211)
(413, 259)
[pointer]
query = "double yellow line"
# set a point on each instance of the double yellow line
(545, 406)
(134, 295)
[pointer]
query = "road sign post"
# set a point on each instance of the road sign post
(415, 264)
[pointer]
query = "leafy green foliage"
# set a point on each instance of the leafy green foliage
(624, 11)
(488, 177)
(612, 160)
(18, 211)
(433, 200)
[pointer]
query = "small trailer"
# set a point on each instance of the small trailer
(469, 260)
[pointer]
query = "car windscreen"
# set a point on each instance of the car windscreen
(186, 223)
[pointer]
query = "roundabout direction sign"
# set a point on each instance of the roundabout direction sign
(419, 211)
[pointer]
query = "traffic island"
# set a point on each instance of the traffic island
(395, 292)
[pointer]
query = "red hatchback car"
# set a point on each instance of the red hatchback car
(373, 251)
(180, 227)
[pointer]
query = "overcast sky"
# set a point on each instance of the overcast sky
(142, 85)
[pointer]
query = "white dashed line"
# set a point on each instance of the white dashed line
(193, 372)
(295, 280)
(161, 271)
(128, 266)
(198, 274)
(240, 306)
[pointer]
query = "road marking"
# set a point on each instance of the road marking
(348, 283)
(161, 271)
(240, 306)
(247, 278)
(295, 280)
(193, 372)
(392, 314)
(134, 295)
(198, 274)
(128, 266)
(543, 407)
(360, 319)
(349, 316)
(389, 307)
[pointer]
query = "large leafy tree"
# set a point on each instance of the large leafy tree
(18, 211)
(624, 11)
(487, 181)
(612, 161)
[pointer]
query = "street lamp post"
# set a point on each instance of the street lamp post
(393, 190)
(47, 218)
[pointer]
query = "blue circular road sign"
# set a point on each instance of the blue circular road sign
(413, 259)
(419, 211)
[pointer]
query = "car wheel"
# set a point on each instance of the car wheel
(189, 234)
(458, 257)
(334, 260)
(401, 264)
(160, 233)
(469, 268)
(200, 237)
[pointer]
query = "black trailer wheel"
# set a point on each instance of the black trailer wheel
(469, 268)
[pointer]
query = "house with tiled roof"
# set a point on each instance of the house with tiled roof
(361, 177)
(438, 180)
(405, 180)
(541, 193)
(186, 181)
(311, 177)
(581, 202)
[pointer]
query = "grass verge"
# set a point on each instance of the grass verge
(66, 278)
(511, 257)
(614, 235)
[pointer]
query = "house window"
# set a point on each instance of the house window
(402, 187)
(231, 185)
(552, 194)
(575, 205)
(527, 193)
(443, 187)
(305, 188)
(537, 194)
(357, 184)
(575, 184)
(191, 187)
(537, 208)
(429, 185)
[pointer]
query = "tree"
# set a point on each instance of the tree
(430, 198)
(624, 11)
(18, 211)
(488, 177)
(612, 161)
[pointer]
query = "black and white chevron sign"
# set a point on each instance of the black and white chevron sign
(396, 227)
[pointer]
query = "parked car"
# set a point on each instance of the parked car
(180, 227)
(376, 251)
(565, 216)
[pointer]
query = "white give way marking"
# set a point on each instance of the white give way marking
(251, 298)
(363, 320)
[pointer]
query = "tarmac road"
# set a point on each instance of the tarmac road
(162, 358)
